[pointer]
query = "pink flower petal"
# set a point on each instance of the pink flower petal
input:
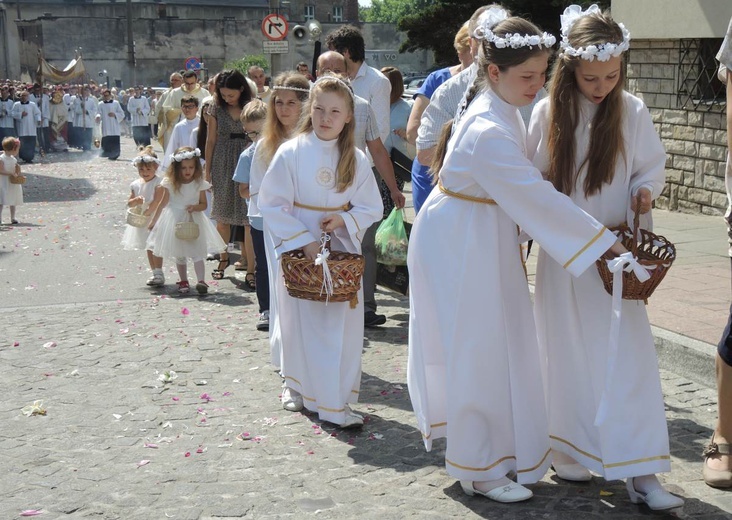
(188, 454)
(49, 344)
(16, 344)
(185, 311)
(143, 463)
(176, 398)
(31, 512)
(150, 445)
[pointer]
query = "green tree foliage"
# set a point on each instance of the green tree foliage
(243, 64)
(434, 25)
(391, 11)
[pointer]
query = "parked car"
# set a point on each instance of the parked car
(411, 85)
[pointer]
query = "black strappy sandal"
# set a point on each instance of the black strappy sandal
(218, 273)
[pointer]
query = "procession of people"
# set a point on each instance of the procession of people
(304, 166)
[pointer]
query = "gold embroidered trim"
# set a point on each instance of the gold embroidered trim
(528, 470)
(344, 207)
(595, 239)
(486, 468)
(291, 238)
(358, 228)
(466, 197)
(614, 464)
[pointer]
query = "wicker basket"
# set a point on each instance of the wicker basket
(135, 218)
(651, 250)
(304, 279)
(187, 230)
(20, 179)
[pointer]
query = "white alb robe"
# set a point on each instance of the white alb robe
(139, 109)
(85, 110)
(474, 371)
(321, 344)
(43, 105)
(573, 319)
(6, 113)
(28, 116)
(110, 114)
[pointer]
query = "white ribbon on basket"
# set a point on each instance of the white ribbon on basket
(628, 263)
(322, 259)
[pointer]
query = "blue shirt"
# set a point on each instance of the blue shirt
(241, 174)
(434, 80)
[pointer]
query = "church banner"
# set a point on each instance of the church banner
(49, 73)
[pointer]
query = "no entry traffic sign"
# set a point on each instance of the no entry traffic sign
(274, 27)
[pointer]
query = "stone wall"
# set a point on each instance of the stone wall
(695, 141)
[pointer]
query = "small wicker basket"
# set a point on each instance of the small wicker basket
(20, 179)
(135, 218)
(304, 279)
(652, 251)
(187, 230)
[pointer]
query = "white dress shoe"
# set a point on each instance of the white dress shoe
(573, 472)
(511, 492)
(353, 420)
(657, 500)
(291, 400)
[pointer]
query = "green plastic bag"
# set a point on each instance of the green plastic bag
(391, 240)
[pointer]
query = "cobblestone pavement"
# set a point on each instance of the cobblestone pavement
(116, 442)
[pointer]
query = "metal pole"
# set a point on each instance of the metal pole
(130, 43)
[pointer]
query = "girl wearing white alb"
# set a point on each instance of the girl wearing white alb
(597, 144)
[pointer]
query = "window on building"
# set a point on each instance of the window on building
(699, 86)
(337, 13)
(309, 12)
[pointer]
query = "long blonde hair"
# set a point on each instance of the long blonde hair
(274, 132)
(346, 169)
(606, 133)
(173, 173)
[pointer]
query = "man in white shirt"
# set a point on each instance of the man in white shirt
(7, 123)
(371, 85)
(40, 97)
(176, 80)
(85, 111)
(29, 119)
(110, 115)
(139, 108)
(257, 75)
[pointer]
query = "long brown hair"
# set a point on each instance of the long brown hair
(606, 133)
(274, 132)
(346, 169)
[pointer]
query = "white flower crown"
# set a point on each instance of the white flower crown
(145, 159)
(189, 154)
(294, 89)
(603, 51)
(328, 75)
(492, 17)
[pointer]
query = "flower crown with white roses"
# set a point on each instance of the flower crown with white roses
(492, 17)
(145, 159)
(189, 154)
(603, 51)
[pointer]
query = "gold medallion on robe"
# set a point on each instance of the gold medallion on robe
(325, 177)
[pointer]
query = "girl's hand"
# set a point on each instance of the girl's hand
(137, 201)
(332, 222)
(644, 194)
(401, 132)
(17, 169)
(191, 208)
(615, 250)
(311, 250)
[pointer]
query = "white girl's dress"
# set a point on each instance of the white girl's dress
(321, 344)
(473, 370)
(573, 319)
(135, 238)
(10, 194)
(162, 240)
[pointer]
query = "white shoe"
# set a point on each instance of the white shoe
(291, 400)
(657, 500)
(353, 420)
(572, 472)
(156, 280)
(511, 492)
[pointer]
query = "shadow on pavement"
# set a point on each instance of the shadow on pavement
(43, 188)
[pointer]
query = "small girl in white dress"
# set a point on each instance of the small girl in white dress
(180, 198)
(142, 193)
(10, 194)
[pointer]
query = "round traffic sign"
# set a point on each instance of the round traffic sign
(192, 63)
(274, 27)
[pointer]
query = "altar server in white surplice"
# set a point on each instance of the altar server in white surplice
(110, 115)
(474, 371)
(318, 181)
(605, 405)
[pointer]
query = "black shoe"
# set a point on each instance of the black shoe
(371, 319)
